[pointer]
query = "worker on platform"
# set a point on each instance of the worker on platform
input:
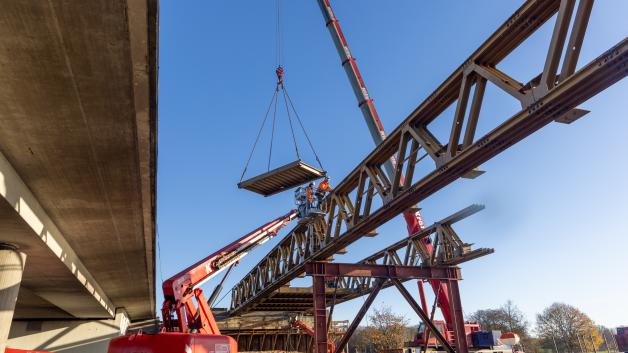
(309, 195)
(323, 188)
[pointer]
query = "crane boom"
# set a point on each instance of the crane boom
(181, 288)
(365, 102)
(414, 221)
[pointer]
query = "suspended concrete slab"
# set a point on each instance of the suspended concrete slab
(283, 178)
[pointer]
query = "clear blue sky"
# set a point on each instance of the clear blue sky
(556, 210)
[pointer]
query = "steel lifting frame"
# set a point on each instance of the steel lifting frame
(353, 210)
(320, 271)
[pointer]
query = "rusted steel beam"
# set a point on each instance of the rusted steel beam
(457, 316)
(326, 269)
(320, 314)
(577, 36)
(408, 243)
(346, 223)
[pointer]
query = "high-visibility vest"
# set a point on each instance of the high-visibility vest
(324, 186)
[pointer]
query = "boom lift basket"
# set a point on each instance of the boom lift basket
(280, 179)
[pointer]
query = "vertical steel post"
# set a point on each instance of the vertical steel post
(320, 314)
(422, 295)
(457, 317)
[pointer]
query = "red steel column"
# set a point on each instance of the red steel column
(320, 314)
(422, 295)
(457, 317)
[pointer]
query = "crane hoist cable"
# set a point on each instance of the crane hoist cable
(307, 172)
(290, 109)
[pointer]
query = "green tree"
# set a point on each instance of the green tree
(569, 327)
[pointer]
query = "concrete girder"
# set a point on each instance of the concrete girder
(42, 229)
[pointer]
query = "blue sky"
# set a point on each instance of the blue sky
(555, 203)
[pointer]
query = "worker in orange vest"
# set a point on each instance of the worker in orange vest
(309, 192)
(323, 186)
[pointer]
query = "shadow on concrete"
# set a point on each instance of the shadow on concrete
(72, 336)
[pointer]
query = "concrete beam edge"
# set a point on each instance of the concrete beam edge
(18, 195)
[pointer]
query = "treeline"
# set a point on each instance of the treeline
(560, 328)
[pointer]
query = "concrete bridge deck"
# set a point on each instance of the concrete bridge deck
(78, 129)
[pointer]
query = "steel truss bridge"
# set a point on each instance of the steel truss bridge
(367, 198)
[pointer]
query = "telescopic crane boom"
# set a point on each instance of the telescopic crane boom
(180, 289)
(414, 221)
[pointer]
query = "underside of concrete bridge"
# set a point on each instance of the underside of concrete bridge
(78, 130)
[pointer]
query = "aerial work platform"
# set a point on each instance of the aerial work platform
(282, 178)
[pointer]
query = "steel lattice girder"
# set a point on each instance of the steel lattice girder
(405, 252)
(546, 98)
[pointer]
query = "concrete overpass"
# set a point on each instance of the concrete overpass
(78, 129)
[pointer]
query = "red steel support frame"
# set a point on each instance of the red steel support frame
(412, 217)
(320, 270)
(457, 317)
(320, 314)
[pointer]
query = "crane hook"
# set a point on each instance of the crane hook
(279, 72)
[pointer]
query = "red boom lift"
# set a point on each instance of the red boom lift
(188, 323)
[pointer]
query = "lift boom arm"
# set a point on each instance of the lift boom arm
(180, 289)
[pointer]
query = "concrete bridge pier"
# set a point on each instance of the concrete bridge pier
(11, 269)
